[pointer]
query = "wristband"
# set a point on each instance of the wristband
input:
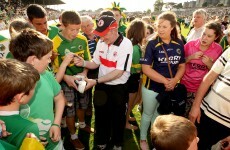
(54, 124)
(84, 63)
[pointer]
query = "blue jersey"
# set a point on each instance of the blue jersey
(155, 57)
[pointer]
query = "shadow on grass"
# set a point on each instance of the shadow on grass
(131, 137)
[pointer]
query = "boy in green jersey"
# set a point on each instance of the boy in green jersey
(69, 40)
(17, 80)
(36, 49)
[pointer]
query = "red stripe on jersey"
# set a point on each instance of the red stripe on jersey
(108, 63)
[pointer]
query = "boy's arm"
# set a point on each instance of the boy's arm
(55, 132)
(61, 70)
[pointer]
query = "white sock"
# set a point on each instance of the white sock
(74, 136)
(82, 124)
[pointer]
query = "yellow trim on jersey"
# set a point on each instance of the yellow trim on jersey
(56, 44)
(136, 66)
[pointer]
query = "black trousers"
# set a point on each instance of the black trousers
(110, 113)
(210, 132)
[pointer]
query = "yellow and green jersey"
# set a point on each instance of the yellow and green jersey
(136, 66)
(78, 46)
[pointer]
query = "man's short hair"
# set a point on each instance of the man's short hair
(35, 11)
(15, 77)
(70, 17)
(170, 132)
(30, 42)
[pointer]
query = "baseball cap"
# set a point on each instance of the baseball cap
(104, 24)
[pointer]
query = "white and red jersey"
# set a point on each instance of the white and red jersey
(115, 56)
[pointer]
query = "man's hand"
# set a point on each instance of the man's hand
(78, 61)
(90, 83)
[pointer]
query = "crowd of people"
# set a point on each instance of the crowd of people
(53, 75)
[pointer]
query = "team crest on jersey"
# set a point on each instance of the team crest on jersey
(114, 54)
(100, 23)
(67, 51)
(178, 51)
(80, 47)
(2, 47)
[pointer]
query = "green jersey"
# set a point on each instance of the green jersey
(52, 32)
(19, 127)
(122, 29)
(78, 46)
(136, 66)
(40, 107)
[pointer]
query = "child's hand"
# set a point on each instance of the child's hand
(197, 55)
(68, 58)
(55, 133)
(54, 56)
(3, 132)
(78, 61)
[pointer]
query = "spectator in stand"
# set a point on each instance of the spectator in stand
(225, 21)
(198, 21)
(200, 54)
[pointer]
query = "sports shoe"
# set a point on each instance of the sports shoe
(101, 147)
(117, 147)
(87, 129)
(144, 145)
(77, 144)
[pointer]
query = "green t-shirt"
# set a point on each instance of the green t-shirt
(136, 66)
(40, 107)
(6, 146)
(224, 43)
(122, 29)
(4, 46)
(19, 127)
(52, 32)
(78, 46)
